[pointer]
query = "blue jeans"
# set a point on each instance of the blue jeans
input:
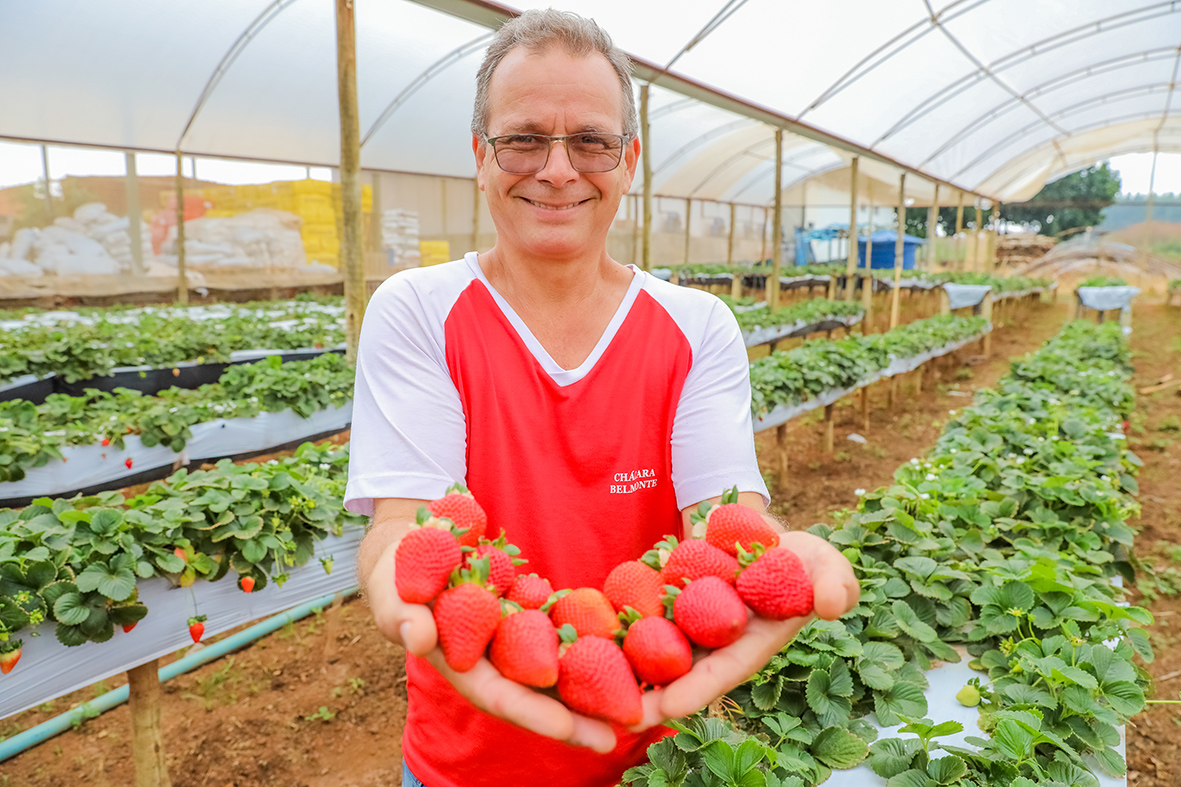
(408, 778)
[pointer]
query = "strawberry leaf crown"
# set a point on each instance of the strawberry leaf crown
(657, 556)
(512, 550)
(476, 572)
(553, 599)
(197, 619)
(458, 489)
(424, 518)
(701, 515)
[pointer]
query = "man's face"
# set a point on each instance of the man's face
(557, 212)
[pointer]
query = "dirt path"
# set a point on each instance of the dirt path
(256, 721)
(1154, 739)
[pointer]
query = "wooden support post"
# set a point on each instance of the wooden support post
(932, 225)
(182, 282)
(730, 239)
(867, 300)
(978, 261)
(688, 226)
(135, 215)
(376, 242)
(776, 226)
(475, 214)
(899, 249)
(781, 451)
(865, 409)
(959, 229)
(918, 381)
(851, 256)
(356, 291)
(986, 312)
(147, 738)
(828, 429)
(1146, 238)
(646, 159)
(763, 248)
(944, 302)
(892, 392)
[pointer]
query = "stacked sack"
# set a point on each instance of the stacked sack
(399, 237)
(260, 239)
(93, 241)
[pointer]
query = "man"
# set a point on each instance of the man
(549, 378)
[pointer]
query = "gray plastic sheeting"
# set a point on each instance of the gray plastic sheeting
(963, 295)
(48, 669)
(1107, 298)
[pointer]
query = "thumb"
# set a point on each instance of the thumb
(417, 629)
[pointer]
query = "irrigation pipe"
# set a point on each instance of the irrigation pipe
(13, 746)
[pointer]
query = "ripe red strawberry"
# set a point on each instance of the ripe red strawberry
(127, 462)
(461, 508)
(176, 372)
(710, 612)
(731, 524)
(127, 627)
(525, 648)
(197, 627)
(776, 585)
(689, 560)
(594, 678)
(530, 591)
(636, 585)
(8, 660)
(503, 562)
(179, 552)
(657, 650)
(423, 563)
(466, 617)
(588, 611)
(247, 584)
(106, 441)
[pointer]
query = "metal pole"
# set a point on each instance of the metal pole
(355, 288)
(48, 195)
(688, 226)
(932, 225)
(959, 228)
(730, 240)
(776, 226)
(851, 256)
(182, 282)
(135, 215)
(899, 247)
(646, 159)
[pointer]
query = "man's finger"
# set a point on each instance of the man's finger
(417, 629)
(834, 585)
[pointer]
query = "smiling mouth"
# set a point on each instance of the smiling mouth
(545, 206)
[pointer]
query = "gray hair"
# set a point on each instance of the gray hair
(537, 31)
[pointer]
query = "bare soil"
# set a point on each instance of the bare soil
(322, 702)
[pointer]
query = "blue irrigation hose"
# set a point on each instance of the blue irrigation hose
(10, 747)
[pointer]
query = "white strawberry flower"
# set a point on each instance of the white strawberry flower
(930, 476)
(859, 492)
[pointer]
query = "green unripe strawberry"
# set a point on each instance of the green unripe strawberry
(969, 696)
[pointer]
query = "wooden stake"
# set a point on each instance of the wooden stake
(899, 248)
(646, 159)
(851, 257)
(932, 224)
(356, 291)
(182, 282)
(828, 429)
(918, 381)
(978, 261)
(147, 738)
(135, 215)
(892, 392)
(730, 239)
(986, 312)
(776, 226)
(781, 448)
(865, 409)
(959, 228)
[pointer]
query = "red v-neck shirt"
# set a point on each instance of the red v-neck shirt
(583, 469)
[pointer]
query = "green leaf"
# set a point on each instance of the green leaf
(891, 756)
(766, 695)
(838, 748)
(1124, 697)
(904, 699)
(1012, 739)
(719, 758)
(909, 622)
(1076, 675)
(910, 778)
(70, 610)
(946, 770)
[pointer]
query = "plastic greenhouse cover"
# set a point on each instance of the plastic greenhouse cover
(49, 669)
(953, 89)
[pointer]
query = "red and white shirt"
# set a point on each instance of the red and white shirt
(582, 468)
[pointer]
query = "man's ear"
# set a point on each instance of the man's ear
(480, 151)
(631, 157)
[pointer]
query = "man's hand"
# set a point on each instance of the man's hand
(413, 627)
(835, 592)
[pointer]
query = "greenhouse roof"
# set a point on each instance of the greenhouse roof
(993, 96)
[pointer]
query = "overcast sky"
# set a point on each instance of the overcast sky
(22, 164)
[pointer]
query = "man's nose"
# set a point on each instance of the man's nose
(558, 169)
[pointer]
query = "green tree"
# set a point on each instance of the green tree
(1068, 203)
(916, 219)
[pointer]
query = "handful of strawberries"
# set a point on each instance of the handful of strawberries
(600, 648)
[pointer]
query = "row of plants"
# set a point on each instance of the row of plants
(793, 376)
(288, 307)
(1004, 544)
(80, 350)
(1104, 281)
(32, 435)
(77, 562)
(809, 312)
(999, 284)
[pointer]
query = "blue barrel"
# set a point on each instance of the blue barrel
(883, 250)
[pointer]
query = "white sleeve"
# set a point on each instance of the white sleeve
(409, 438)
(713, 445)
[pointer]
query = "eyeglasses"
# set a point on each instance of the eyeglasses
(527, 154)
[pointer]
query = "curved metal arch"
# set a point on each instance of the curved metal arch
(237, 48)
(671, 107)
(1064, 112)
(1113, 152)
(1081, 129)
(433, 70)
(702, 139)
(989, 116)
(749, 150)
(728, 10)
(1071, 77)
